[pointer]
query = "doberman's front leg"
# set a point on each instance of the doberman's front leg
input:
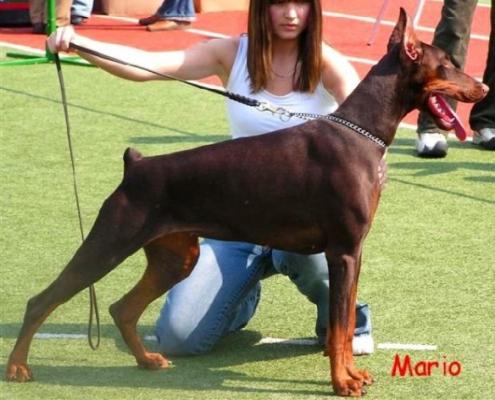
(361, 375)
(170, 259)
(343, 268)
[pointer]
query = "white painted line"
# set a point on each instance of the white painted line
(207, 33)
(59, 336)
(368, 20)
(265, 340)
(126, 19)
(314, 342)
(406, 346)
(22, 48)
(191, 30)
(371, 20)
(291, 342)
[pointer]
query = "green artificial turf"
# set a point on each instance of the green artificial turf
(427, 271)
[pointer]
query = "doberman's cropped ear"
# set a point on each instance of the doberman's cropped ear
(398, 32)
(404, 35)
(411, 48)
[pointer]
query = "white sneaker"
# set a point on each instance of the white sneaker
(485, 137)
(431, 144)
(363, 344)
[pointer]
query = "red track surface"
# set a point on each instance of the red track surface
(347, 35)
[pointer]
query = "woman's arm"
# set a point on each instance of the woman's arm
(214, 57)
(339, 76)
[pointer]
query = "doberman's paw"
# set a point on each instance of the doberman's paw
(367, 377)
(153, 361)
(361, 375)
(349, 388)
(18, 372)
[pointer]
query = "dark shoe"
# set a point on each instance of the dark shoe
(168, 25)
(39, 28)
(150, 20)
(485, 137)
(77, 20)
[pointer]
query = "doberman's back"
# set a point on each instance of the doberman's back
(237, 184)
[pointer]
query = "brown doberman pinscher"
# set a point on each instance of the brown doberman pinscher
(307, 189)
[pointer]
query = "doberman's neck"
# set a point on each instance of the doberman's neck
(379, 102)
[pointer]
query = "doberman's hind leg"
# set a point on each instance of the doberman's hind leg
(170, 258)
(109, 242)
(343, 269)
(88, 265)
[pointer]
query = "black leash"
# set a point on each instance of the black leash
(233, 96)
(281, 112)
(93, 305)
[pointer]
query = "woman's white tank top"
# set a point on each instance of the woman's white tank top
(248, 121)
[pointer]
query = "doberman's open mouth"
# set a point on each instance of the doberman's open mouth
(445, 116)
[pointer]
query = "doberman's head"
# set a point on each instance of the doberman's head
(430, 75)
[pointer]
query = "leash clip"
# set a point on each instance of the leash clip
(284, 114)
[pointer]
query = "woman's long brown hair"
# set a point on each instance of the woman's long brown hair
(259, 58)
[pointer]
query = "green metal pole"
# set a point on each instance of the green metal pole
(29, 59)
(51, 25)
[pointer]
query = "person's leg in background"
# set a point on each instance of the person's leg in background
(37, 15)
(452, 35)
(63, 12)
(81, 11)
(482, 118)
(171, 15)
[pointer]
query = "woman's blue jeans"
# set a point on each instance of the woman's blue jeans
(182, 10)
(82, 8)
(223, 291)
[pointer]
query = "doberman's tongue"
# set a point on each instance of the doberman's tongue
(446, 115)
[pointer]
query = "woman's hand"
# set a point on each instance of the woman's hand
(60, 39)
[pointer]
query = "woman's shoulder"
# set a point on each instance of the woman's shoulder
(227, 46)
(334, 61)
(331, 55)
(339, 76)
(225, 50)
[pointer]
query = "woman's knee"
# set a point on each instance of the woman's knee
(175, 337)
(289, 263)
(308, 272)
(198, 309)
